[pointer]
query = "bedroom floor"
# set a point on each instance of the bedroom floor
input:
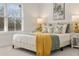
(9, 51)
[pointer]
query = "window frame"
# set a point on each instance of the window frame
(6, 18)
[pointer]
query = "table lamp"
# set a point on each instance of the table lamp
(75, 20)
(40, 22)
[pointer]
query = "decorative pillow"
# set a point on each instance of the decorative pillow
(51, 29)
(45, 29)
(64, 28)
(68, 29)
(58, 28)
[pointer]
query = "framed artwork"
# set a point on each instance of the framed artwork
(58, 11)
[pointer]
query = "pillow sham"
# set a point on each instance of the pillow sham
(58, 29)
(45, 29)
(64, 28)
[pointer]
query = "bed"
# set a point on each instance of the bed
(29, 41)
(60, 30)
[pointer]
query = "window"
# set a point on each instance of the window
(13, 14)
(14, 17)
(1, 17)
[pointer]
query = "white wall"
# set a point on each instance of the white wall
(32, 12)
(74, 8)
(47, 11)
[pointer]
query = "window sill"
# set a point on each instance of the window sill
(2, 32)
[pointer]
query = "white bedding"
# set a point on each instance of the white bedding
(29, 41)
(64, 39)
(23, 38)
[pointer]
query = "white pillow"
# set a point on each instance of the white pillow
(45, 29)
(64, 28)
(51, 29)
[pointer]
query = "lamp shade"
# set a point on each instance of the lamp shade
(75, 23)
(75, 18)
(40, 20)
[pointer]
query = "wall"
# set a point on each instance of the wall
(31, 12)
(74, 8)
(47, 11)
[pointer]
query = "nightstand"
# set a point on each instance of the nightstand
(75, 40)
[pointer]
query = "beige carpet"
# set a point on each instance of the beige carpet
(9, 51)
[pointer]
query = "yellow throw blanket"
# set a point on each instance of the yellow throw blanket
(43, 44)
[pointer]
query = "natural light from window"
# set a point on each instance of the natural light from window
(12, 15)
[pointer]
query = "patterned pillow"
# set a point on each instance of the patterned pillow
(58, 28)
(45, 29)
(64, 28)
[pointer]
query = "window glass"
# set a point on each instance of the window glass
(14, 17)
(11, 24)
(1, 17)
(1, 10)
(14, 10)
(1, 23)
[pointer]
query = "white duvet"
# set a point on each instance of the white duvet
(31, 39)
